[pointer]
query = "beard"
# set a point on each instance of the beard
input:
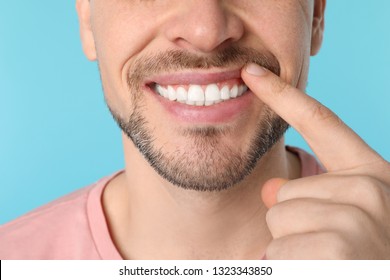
(206, 163)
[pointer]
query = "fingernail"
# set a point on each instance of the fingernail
(255, 70)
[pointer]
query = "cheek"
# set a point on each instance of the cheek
(294, 54)
(119, 39)
(284, 30)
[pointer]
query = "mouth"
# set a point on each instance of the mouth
(202, 97)
(196, 89)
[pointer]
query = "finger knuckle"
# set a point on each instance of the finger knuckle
(364, 186)
(381, 168)
(337, 246)
(321, 113)
(352, 218)
(370, 191)
(280, 87)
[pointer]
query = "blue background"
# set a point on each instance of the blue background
(56, 134)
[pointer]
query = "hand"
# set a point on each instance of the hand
(342, 214)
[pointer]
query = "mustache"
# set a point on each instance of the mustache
(176, 60)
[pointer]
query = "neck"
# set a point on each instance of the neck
(150, 218)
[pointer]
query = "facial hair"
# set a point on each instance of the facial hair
(205, 163)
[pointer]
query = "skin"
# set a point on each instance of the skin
(342, 214)
(150, 218)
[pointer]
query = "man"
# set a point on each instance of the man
(203, 91)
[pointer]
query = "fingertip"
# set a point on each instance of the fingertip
(270, 191)
(259, 80)
(255, 70)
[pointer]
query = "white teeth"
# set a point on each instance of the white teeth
(225, 93)
(171, 93)
(196, 95)
(181, 94)
(241, 90)
(212, 93)
(234, 91)
(163, 91)
(199, 97)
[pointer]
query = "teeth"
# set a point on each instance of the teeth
(212, 93)
(171, 93)
(162, 91)
(195, 95)
(181, 95)
(225, 93)
(241, 90)
(234, 91)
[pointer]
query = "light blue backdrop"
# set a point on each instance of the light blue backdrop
(56, 134)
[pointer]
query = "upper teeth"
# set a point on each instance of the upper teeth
(201, 95)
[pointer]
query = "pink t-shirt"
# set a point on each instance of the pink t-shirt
(75, 227)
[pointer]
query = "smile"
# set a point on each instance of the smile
(201, 95)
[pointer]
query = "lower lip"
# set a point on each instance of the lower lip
(223, 112)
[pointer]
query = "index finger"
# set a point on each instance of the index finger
(336, 145)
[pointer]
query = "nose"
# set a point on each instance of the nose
(204, 26)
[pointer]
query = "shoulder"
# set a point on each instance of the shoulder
(58, 230)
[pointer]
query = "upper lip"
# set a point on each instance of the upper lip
(198, 78)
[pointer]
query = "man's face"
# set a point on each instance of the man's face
(171, 76)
